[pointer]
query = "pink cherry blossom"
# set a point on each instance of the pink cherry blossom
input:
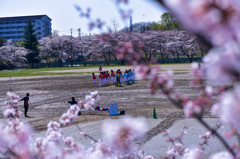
(215, 19)
(119, 133)
(221, 64)
(192, 154)
(228, 108)
(222, 155)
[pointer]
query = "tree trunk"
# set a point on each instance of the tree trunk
(162, 58)
(106, 59)
(122, 61)
(60, 63)
(109, 58)
(191, 59)
(114, 56)
(84, 62)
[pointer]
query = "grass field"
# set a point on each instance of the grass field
(42, 71)
(53, 71)
(36, 72)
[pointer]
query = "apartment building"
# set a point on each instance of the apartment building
(13, 27)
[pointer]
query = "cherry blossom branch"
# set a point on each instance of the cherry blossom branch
(227, 146)
(85, 134)
(208, 135)
(177, 143)
(199, 118)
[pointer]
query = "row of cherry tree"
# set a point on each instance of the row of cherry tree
(153, 44)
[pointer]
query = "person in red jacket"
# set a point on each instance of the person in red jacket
(101, 79)
(108, 76)
(94, 80)
(104, 78)
(113, 76)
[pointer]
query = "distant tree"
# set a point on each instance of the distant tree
(115, 25)
(59, 45)
(13, 55)
(71, 53)
(203, 49)
(46, 52)
(156, 26)
(89, 48)
(1, 41)
(188, 45)
(169, 22)
(19, 43)
(55, 33)
(31, 43)
(139, 27)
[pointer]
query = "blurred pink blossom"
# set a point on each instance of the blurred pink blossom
(221, 65)
(217, 20)
(192, 154)
(222, 155)
(228, 108)
(119, 134)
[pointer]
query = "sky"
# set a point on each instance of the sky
(65, 17)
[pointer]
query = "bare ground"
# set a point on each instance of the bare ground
(49, 96)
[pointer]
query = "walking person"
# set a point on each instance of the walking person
(26, 105)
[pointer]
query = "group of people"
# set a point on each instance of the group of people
(118, 78)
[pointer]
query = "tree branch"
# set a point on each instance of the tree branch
(199, 118)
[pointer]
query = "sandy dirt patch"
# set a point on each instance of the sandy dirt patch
(49, 96)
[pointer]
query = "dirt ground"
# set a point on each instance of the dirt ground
(49, 96)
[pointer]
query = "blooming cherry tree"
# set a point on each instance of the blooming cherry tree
(13, 54)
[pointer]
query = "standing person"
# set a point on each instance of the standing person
(73, 102)
(117, 78)
(94, 80)
(130, 74)
(133, 76)
(113, 76)
(126, 77)
(26, 105)
(101, 79)
(104, 79)
(108, 76)
(100, 68)
(121, 77)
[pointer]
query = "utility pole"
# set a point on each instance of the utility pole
(79, 32)
(71, 32)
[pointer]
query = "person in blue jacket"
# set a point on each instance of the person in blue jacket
(125, 76)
